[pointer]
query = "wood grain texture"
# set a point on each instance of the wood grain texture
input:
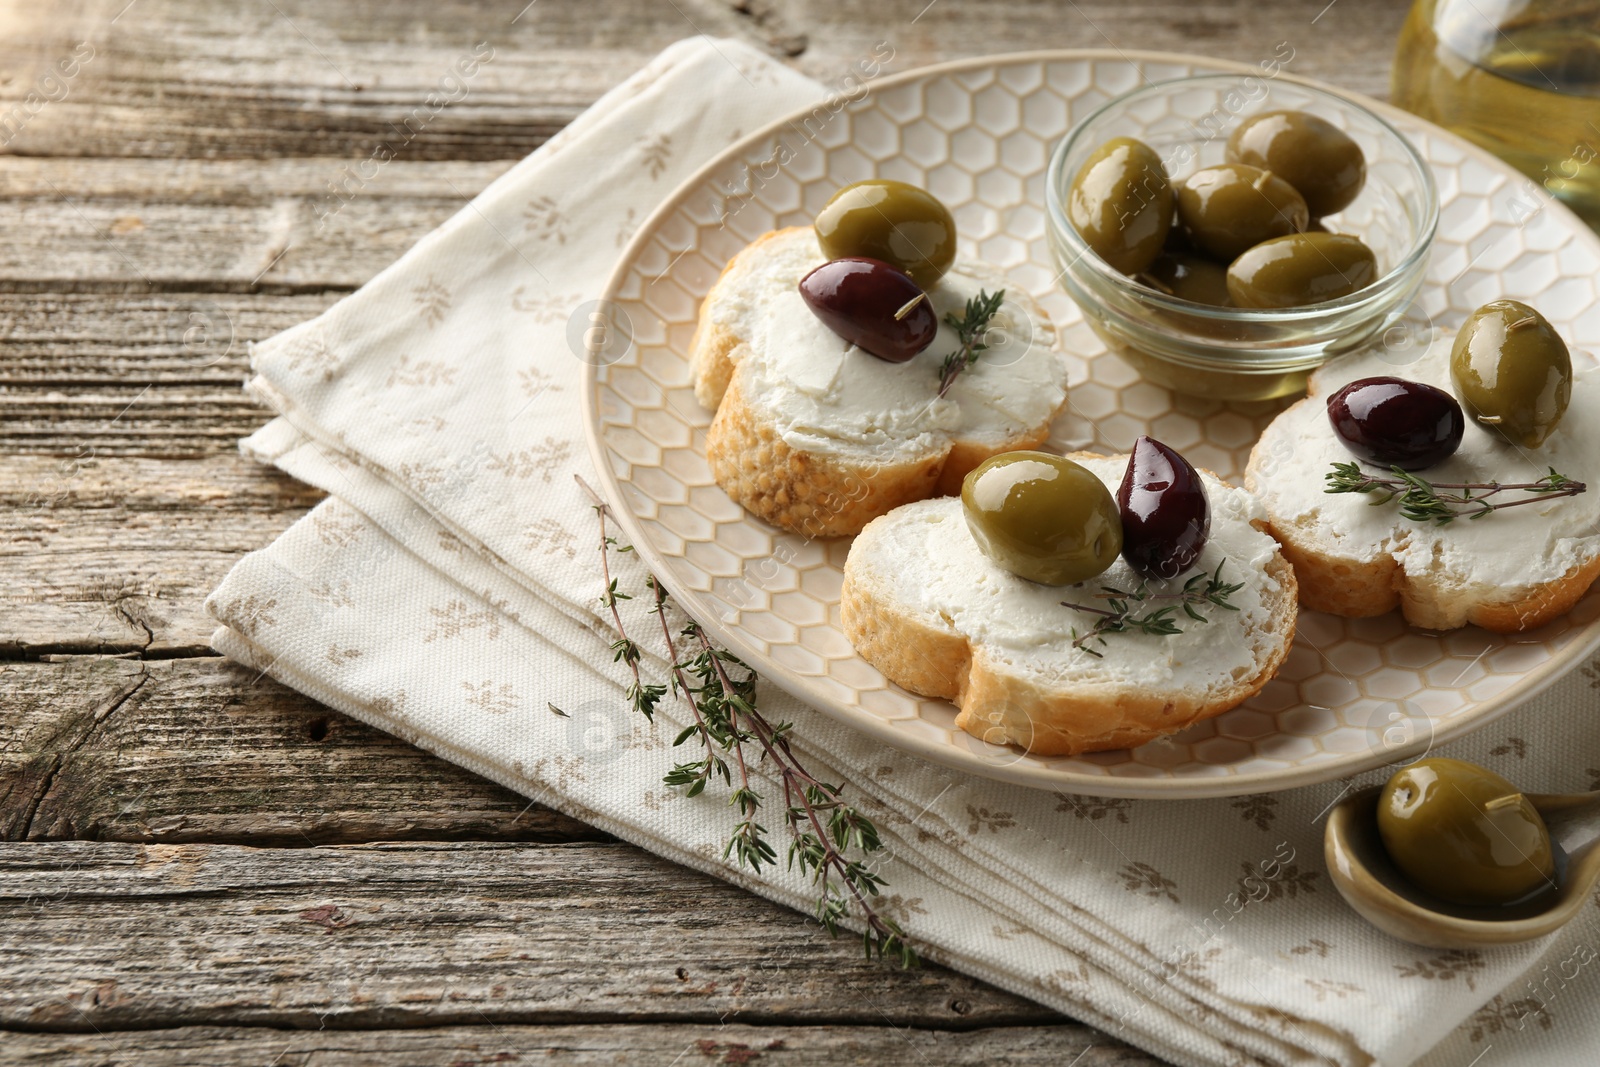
(303, 77)
(192, 750)
(153, 226)
(119, 554)
(621, 1044)
(93, 376)
(97, 936)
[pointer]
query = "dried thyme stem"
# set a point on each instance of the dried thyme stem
(1198, 591)
(970, 329)
(681, 684)
(719, 706)
(1421, 500)
(798, 783)
(643, 697)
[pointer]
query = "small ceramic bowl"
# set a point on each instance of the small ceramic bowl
(1243, 353)
(1370, 883)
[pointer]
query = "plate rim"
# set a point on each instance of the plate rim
(945, 755)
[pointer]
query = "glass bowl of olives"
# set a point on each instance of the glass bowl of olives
(1225, 234)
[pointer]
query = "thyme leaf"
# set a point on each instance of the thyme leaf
(1123, 612)
(830, 839)
(970, 329)
(1422, 500)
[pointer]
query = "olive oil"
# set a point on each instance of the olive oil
(1519, 77)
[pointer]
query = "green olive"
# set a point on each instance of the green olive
(1464, 834)
(1311, 154)
(902, 225)
(1121, 202)
(1512, 372)
(1042, 517)
(1188, 277)
(1230, 207)
(1303, 268)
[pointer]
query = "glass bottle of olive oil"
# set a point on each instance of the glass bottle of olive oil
(1519, 77)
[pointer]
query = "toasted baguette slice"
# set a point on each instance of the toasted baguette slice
(1511, 570)
(819, 437)
(924, 605)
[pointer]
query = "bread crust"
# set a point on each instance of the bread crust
(1358, 589)
(806, 492)
(711, 360)
(812, 493)
(933, 659)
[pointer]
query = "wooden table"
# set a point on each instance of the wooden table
(204, 866)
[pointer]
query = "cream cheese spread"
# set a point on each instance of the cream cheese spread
(1012, 620)
(823, 394)
(1492, 558)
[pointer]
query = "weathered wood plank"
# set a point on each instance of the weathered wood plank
(577, 1046)
(175, 420)
(143, 226)
(299, 77)
(89, 347)
(230, 181)
(119, 554)
(176, 751)
(97, 936)
(1349, 43)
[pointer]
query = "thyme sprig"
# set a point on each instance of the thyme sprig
(715, 704)
(814, 848)
(1422, 500)
(720, 692)
(1122, 614)
(644, 698)
(717, 734)
(970, 329)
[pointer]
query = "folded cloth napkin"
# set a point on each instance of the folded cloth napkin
(449, 592)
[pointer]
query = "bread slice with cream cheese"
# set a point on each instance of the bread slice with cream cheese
(1514, 569)
(923, 604)
(819, 437)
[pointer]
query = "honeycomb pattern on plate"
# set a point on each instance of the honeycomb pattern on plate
(1353, 693)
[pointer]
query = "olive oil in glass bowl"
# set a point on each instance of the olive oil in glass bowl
(1519, 77)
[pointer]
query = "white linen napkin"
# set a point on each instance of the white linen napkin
(449, 592)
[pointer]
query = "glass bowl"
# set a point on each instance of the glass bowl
(1243, 353)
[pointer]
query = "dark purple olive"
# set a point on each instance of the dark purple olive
(1166, 517)
(1396, 423)
(858, 299)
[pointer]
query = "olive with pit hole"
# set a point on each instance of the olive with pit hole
(1121, 203)
(892, 221)
(1188, 276)
(1464, 834)
(1042, 517)
(873, 305)
(1166, 517)
(1512, 372)
(1397, 423)
(1301, 269)
(1320, 160)
(1230, 207)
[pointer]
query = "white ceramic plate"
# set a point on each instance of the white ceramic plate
(1354, 694)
